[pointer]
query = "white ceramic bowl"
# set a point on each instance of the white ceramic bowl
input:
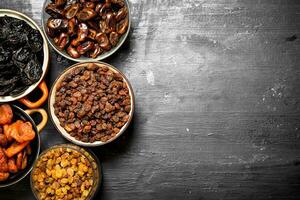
(18, 15)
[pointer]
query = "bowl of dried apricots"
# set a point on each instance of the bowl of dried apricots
(19, 142)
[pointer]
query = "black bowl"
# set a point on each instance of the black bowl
(34, 144)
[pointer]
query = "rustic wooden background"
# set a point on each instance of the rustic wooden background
(217, 85)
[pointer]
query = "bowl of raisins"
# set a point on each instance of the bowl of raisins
(91, 103)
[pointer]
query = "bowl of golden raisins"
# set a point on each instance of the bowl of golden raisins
(66, 172)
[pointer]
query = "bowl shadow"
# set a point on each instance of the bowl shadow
(112, 151)
(117, 147)
(121, 54)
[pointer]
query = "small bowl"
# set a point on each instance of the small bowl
(56, 122)
(34, 144)
(92, 158)
(40, 83)
(45, 18)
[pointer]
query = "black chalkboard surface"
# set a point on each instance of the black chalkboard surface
(217, 88)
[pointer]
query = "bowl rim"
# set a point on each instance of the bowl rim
(55, 120)
(46, 54)
(79, 149)
(83, 58)
(28, 117)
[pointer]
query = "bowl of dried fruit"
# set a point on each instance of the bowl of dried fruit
(19, 142)
(91, 104)
(24, 58)
(86, 30)
(66, 172)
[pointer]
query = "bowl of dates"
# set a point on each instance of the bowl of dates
(91, 104)
(24, 58)
(86, 30)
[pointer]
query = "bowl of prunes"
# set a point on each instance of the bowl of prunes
(24, 57)
(86, 30)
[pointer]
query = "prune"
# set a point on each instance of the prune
(35, 40)
(25, 81)
(19, 26)
(8, 81)
(18, 64)
(33, 70)
(20, 56)
(4, 55)
(4, 32)
(15, 39)
(18, 90)
(6, 65)
(6, 89)
(3, 21)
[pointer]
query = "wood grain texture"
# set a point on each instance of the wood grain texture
(217, 91)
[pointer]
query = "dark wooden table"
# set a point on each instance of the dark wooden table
(217, 87)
